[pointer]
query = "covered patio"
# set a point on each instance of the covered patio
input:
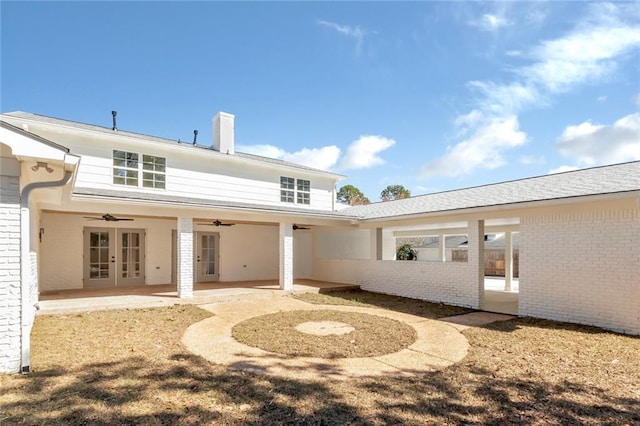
(148, 296)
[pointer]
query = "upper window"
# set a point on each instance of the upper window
(304, 191)
(295, 190)
(127, 169)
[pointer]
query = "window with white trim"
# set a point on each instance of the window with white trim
(127, 168)
(303, 195)
(295, 190)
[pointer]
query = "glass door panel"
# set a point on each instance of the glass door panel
(207, 257)
(99, 264)
(130, 262)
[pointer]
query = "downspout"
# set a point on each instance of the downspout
(27, 308)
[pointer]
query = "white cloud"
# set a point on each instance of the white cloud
(352, 32)
(363, 153)
(563, 169)
(262, 150)
(513, 53)
(483, 148)
(504, 99)
(490, 22)
(594, 144)
(581, 56)
(320, 158)
(588, 52)
(602, 98)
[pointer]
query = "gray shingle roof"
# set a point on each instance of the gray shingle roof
(612, 179)
(108, 130)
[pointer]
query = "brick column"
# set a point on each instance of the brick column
(10, 348)
(476, 260)
(184, 273)
(286, 256)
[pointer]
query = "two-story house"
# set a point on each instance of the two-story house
(85, 206)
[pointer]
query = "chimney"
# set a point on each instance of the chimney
(223, 132)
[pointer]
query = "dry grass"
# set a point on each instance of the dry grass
(376, 300)
(373, 335)
(129, 367)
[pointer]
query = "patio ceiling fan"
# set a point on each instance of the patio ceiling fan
(296, 227)
(218, 222)
(107, 217)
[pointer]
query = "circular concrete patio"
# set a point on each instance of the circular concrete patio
(438, 345)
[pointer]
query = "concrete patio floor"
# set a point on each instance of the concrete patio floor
(147, 296)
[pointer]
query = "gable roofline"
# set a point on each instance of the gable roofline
(33, 136)
(76, 125)
(621, 178)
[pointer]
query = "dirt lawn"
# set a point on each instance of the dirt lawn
(129, 367)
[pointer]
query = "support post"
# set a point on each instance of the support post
(476, 257)
(442, 250)
(286, 256)
(184, 273)
(508, 260)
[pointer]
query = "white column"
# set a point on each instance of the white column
(286, 256)
(508, 260)
(388, 245)
(442, 251)
(476, 257)
(376, 244)
(185, 257)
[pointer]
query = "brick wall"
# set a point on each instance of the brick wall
(453, 283)
(582, 267)
(9, 274)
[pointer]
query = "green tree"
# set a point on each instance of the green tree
(394, 192)
(351, 195)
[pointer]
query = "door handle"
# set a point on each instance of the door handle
(113, 259)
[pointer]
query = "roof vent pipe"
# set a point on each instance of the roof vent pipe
(195, 136)
(113, 114)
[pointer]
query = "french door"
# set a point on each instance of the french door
(113, 257)
(207, 248)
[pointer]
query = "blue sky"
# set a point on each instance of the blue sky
(430, 95)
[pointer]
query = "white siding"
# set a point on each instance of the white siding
(191, 171)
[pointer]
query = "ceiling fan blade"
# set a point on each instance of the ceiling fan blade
(93, 218)
(227, 224)
(118, 219)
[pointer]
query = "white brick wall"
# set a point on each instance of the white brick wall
(185, 257)
(286, 256)
(9, 274)
(454, 283)
(583, 268)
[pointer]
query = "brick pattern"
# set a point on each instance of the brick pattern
(9, 274)
(453, 283)
(583, 268)
(185, 276)
(286, 256)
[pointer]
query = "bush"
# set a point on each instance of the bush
(405, 252)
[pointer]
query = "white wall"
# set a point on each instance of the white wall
(9, 273)
(343, 244)
(302, 254)
(247, 252)
(344, 257)
(582, 267)
(191, 171)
